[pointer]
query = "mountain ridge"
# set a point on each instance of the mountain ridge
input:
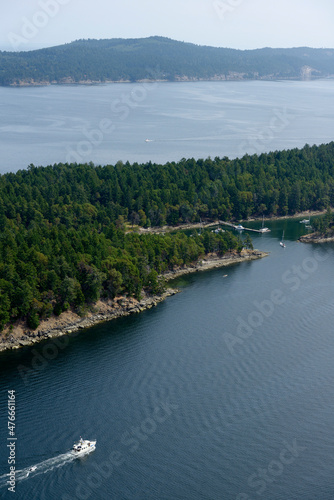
(159, 58)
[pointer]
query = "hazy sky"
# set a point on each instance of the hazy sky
(242, 24)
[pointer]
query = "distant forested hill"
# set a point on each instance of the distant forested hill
(158, 58)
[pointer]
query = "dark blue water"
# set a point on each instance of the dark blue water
(223, 392)
(108, 123)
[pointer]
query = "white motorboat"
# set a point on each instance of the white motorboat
(83, 446)
(239, 227)
(31, 469)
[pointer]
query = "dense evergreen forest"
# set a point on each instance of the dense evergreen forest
(63, 238)
(158, 58)
(324, 226)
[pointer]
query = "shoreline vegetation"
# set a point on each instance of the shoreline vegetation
(69, 322)
(323, 229)
(204, 225)
(106, 310)
(218, 78)
(316, 238)
(73, 234)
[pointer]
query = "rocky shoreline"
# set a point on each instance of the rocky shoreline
(316, 238)
(213, 262)
(305, 213)
(69, 322)
(231, 76)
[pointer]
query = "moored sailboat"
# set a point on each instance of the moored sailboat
(264, 229)
(282, 241)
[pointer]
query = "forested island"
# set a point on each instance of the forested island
(158, 58)
(70, 232)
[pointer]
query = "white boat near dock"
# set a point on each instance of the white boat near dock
(264, 229)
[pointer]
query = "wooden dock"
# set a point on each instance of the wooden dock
(239, 227)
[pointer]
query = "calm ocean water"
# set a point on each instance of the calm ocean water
(224, 391)
(108, 123)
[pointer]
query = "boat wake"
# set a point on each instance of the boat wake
(40, 468)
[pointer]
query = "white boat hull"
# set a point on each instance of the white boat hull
(83, 447)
